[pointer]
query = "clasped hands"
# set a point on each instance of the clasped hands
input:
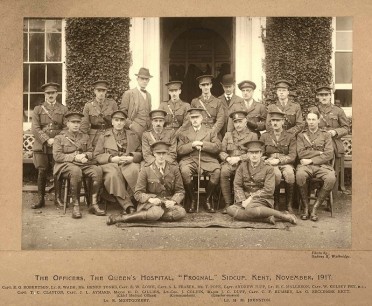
(197, 144)
(167, 203)
(81, 158)
(122, 160)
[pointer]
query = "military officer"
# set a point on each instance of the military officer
(97, 113)
(229, 98)
(254, 186)
(198, 139)
(136, 104)
(294, 122)
(118, 151)
(159, 190)
(47, 122)
(72, 152)
(256, 111)
(233, 152)
(176, 109)
(214, 111)
(158, 133)
(315, 151)
(280, 148)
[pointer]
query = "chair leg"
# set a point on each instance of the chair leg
(66, 183)
(331, 202)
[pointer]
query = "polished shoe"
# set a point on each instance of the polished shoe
(76, 212)
(112, 219)
(130, 210)
(58, 202)
(95, 210)
(39, 204)
(209, 208)
(270, 220)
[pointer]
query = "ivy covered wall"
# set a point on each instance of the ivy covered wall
(96, 48)
(299, 50)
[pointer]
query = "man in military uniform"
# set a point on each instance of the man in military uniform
(73, 157)
(97, 113)
(118, 151)
(256, 111)
(229, 98)
(47, 122)
(293, 121)
(158, 133)
(214, 112)
(280, 148)
(159, 191)
(198, 139)
(233, 152)
(315, 151)
(176, 109)
(136, 104)
(254, 186)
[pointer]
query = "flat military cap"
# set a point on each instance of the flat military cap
(144, 73)
(276, 115)
(324, 89)
(160, 147)
(207, 78)
(174, 85)
(283, 84)
(119, 114)
(195, 111)
(100, 84)
(254, 145)
(247, 84)
(74, 116)
(238, 115)
(227, 79)
(47, 87)
(158, 113)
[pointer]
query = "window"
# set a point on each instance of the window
(42, 60)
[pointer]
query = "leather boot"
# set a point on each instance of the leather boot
(276, 197)
(209, 202)
(189, 188)
(58, 193)
(136, 216)
(41, 183)
(94, 208)
(75, 191)
(289, 190)
(305, 201)
(226, 192)
(321, 197)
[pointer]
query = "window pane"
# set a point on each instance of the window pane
(53, 25)
(25, 47)
(36, 99)
(53, 47)
(345, 97)
(344, 23)
(25, 25)
(37, 77)
(37, 25)
(25, 107)
(36, 47)
(344, 41)
(54, 73)
(25, 77)
(344, 65)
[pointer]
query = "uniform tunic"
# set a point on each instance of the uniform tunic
(177, 118)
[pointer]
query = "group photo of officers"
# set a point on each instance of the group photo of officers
(147, 160)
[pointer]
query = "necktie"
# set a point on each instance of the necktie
(143, 90)
(228, 99)
(161, 171)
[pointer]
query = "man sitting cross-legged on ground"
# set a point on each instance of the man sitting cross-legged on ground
(254, 186)
(159, 191)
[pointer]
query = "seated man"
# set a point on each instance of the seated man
(72, 152)
(280, 148)
(315, 151)
(233, 152)
(118, 151)
(158, 133)
(199, 140)
(159, 191)
(254, 186)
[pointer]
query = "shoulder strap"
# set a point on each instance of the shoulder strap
(46, 111)
(202, 104)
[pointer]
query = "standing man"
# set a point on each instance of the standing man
(293, 121)
(73, 157)
(47, 122)
(198, 139)
(136, 104)
(229, 98)
(214, 112)
(280, 148)
(159, 191)
(118, 151)
(97, 113)
(233, 152)
(315, 151)
(159, 133)
(254, 186)
(256, 111)
(175, 108)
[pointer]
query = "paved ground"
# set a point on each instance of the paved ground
(49, 228)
